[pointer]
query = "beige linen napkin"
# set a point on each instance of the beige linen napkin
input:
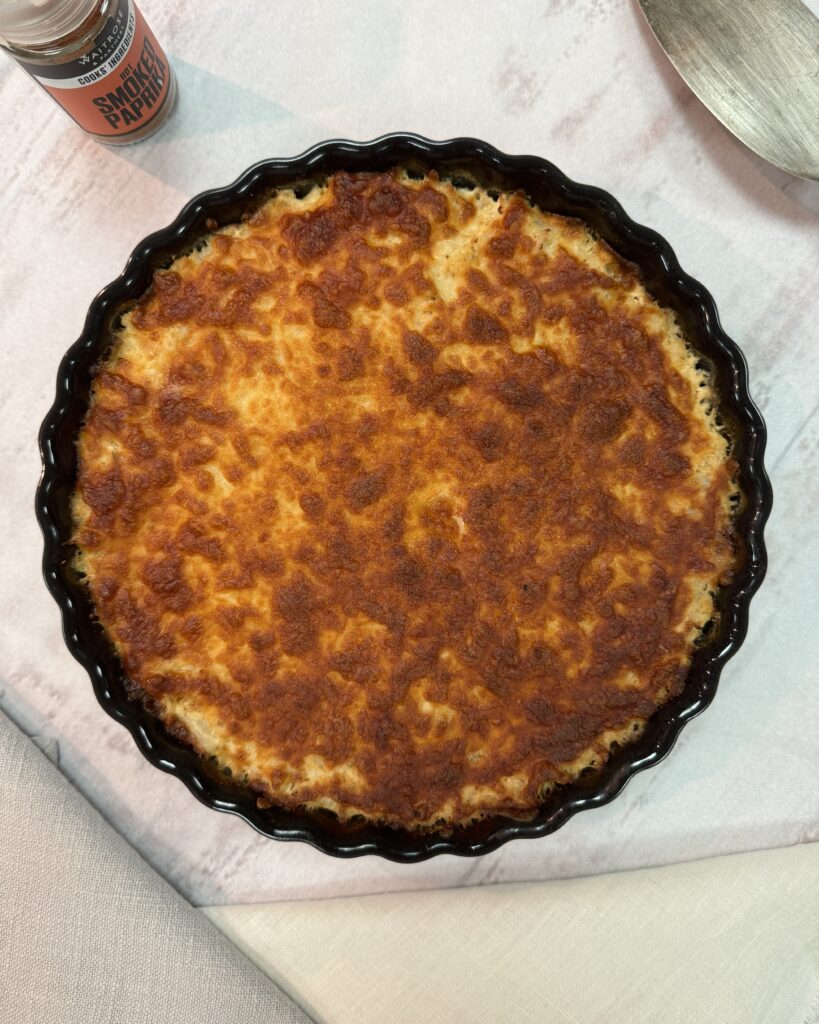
(90, 934)
(731, 940)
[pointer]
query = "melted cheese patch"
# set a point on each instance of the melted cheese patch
(403, 500)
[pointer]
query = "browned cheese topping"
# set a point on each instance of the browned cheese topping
(403, 500)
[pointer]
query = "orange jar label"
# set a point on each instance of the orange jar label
(119, 84)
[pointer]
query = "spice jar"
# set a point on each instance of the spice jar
(97, 58)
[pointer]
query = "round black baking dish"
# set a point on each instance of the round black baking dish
(457, 159)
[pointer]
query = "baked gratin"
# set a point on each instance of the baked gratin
(403, 500)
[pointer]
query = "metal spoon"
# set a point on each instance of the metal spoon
(755, 65)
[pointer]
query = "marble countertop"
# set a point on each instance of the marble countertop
(581, 83)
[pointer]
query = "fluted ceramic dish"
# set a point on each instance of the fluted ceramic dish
(467, 160)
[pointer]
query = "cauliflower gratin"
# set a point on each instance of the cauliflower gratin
(403, 499)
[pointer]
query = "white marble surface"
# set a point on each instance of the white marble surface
(581, 83)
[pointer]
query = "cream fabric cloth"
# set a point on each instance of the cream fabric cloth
(90, 934)
(730, 940)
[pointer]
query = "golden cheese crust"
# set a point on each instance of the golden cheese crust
(403, 500)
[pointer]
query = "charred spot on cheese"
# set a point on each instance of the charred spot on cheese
(403, 501)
